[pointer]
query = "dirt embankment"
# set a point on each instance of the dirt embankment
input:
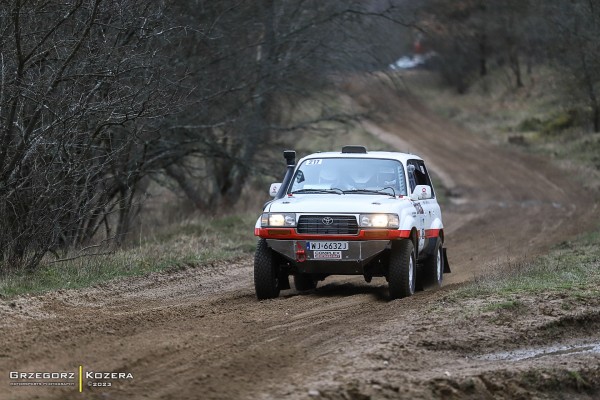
(200, 333)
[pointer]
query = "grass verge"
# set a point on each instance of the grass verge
(189, 243)
(571, 268)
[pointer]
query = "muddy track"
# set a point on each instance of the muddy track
(200, 333)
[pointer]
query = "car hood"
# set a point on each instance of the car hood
(334, 203)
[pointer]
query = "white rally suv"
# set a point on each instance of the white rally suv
(352, 212)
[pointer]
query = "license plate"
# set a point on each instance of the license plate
(327, 245)
(327, 255)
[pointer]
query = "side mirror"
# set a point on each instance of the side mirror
(421, 192)
(274, 189)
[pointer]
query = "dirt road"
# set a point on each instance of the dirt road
(201, 334)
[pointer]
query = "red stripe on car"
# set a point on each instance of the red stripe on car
(432, 233)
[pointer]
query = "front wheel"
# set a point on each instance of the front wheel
(266, 272)
(402, 273)
(433, 267)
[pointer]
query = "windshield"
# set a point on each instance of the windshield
(350, 174)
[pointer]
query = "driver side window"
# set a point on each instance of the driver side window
(411, 177)
(418, 175)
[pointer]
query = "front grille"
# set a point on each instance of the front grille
(341, 225)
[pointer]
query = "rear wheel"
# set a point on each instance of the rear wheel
(304, 282)
(402, 271)
(266, 272)
(433, 267)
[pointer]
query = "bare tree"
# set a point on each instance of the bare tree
(92, 103)
(251, 63)
(574, 47)
(472, 35)
(81, 86)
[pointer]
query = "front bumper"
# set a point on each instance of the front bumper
(348, 262)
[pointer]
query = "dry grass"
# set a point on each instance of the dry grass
(188, 243)
(572, 268)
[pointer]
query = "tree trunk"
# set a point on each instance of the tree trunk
(125, 206)
(483, 70)
(515, 65)
(589, 83)
(185, 183)
(256, 130)
(596, 117)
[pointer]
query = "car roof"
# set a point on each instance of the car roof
(402, 157)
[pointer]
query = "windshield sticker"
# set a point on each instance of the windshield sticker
(313, 162)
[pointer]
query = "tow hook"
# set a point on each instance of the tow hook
(300, 253)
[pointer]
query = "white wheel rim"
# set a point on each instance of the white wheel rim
(411, 280)
(439, 265)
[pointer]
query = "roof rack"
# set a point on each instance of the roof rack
(354, 149)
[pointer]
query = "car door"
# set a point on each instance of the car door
(427, 210)
(411, 170)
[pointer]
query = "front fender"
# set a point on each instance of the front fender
(408, 220)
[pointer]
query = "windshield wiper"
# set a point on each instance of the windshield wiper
(372, 191)
(328, 191)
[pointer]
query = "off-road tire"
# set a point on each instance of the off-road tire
(266, 272)
(432, 269)
(402, 273)
(304, 282)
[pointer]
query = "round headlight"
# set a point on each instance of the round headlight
(379, 221)
(276, 220)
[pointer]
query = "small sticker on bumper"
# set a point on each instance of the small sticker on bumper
(327, 255)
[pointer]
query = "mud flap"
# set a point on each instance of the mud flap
(446, 265)
(284, 280)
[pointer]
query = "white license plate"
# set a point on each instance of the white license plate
(327, 245)
(327, 255)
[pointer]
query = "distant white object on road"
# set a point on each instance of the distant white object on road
(409, 62)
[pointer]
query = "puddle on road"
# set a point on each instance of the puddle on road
(528, 354)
